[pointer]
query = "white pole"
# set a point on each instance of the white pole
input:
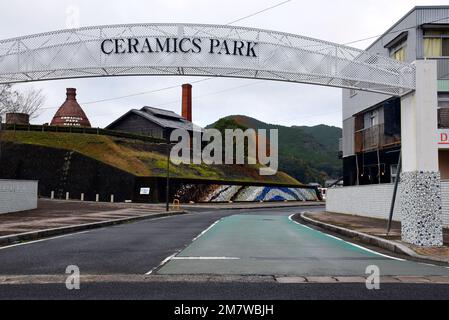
(67, 196)
(82, 196)
(112, 198)
(52, 195)
(97, 198)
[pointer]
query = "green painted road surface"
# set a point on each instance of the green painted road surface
(276, 245)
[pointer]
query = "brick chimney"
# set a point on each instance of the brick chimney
(187, 102)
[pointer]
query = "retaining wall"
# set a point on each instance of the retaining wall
(17, 195)
(374, 201)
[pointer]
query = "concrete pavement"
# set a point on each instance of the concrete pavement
(276, 245)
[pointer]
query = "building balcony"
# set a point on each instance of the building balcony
(374, 138)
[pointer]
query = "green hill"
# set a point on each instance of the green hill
(140, 158)
(309, 154)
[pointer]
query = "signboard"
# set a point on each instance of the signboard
(443, 139)
(145, 191)
(153, 45)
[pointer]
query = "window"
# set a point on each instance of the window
(399, 52)
(394, 172)
(443, 110)
(436, 43)
(371, 119)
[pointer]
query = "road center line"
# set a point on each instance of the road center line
(205, 258)
(42, 240)
(205, 231)
(173, 256)
(161, 264)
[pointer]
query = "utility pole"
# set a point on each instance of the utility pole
(167, 194)
(395, 190)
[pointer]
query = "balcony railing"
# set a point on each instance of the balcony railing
(374, 138)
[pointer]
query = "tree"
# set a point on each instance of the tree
(5, 93)
(29, 101)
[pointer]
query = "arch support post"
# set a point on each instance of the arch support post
(420, 184)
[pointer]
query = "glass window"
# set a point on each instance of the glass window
(432, 47)
(394, 172)
(443, 110)
(445, 48)
(399, 52)
(371, 119)
(436, 43)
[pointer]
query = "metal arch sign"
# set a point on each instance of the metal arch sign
(199, 50)
(177, 45)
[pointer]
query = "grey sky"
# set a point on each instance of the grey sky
(339, 21)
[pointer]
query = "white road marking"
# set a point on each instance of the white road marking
(427, 264)
(42, 240)
(333, 237)
(350, 243)
(375, 252)
(162, 263)
(82, 232)
(205, 231)
(173, 256)
(205, 258)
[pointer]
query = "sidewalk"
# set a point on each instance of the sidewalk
(376, 228)
(52, 214)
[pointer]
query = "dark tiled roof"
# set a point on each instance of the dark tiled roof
(163, 118)
(172, 123)
(162, 112)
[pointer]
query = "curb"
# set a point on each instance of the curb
(188, 278)
(372, 240)
(269, 206)
(47, 233)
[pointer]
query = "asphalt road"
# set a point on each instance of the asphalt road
(224, 291)
(246, 242)
(134, 248)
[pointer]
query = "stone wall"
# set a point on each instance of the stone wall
(16, 195)
(421, 208)
(445, 201)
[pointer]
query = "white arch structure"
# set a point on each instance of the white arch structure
(228, 51)
(199, 50)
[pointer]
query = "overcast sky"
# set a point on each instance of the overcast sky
(288, 104)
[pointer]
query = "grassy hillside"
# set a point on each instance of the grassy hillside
(140, 158)
(308, 154)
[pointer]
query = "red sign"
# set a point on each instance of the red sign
(443, 138)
